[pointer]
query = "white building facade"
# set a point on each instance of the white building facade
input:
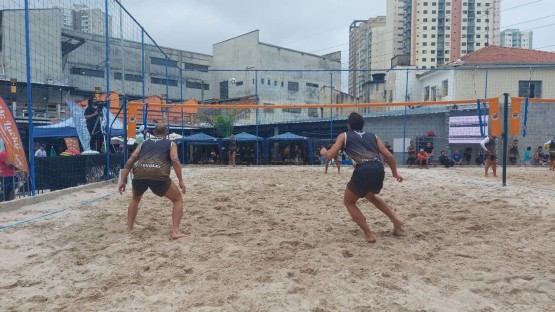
(516, 38)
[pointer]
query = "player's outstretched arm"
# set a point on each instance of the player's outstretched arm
(390, 160)
(177, 166)
(334, 150)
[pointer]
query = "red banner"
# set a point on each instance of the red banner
(11, 138)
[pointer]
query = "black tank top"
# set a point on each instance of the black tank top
(154, 160)
(361, 146)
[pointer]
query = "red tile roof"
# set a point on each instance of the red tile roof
(506, 55)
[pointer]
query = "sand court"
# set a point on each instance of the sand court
(279, 239)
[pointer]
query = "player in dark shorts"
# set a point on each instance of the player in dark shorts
(550, 145)
(365, 150)
(151, 163)
(232, 149)
(488, 145)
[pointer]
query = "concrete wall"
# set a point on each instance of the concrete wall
(539, 129)
(45, 40)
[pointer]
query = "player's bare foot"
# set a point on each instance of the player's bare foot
(176, 235)
(398, 229)
(370, 238)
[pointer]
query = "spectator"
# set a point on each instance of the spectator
(430, 150)
(445, 161)
(423, 158)
(389, 147)
(7, 176)
(296, 154)
(468, 155)
(550, 145)
(41, 151)
(540, 156)
(411, 150)
(92, 115)
(527, 156)
(479, 159)
(513, 152)
(457, 157)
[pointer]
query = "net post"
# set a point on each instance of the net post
(331, 109)
(505, 135)
(256, 112)
(29, 96)
(405, 114)
(107, 128)
(125, 135)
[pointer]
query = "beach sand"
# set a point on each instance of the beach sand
(279, 239)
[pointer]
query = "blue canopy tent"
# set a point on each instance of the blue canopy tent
(291, 137)
(201, 139)
(245, 137)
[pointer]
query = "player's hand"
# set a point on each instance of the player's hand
(121, 187)
(398, 177)
(182, 186)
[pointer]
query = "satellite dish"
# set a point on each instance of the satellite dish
(232, 81)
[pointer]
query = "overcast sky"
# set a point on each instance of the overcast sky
(313, 26)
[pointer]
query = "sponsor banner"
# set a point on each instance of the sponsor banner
(495, 117)
(11, 138)
(131, 120)
(72, 144)
(514, 123)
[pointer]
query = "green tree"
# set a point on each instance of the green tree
(223, 123)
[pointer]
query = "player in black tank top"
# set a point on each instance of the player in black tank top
(366, 151)
(152, 161)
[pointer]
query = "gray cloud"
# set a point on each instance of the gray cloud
(319, 26)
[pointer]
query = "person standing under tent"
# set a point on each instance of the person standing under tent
(364, 149)
(151, 163)
(488, 145)
(41, 151)
(550, 145)
(94, 125)
(232, 149)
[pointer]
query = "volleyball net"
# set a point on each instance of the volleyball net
(57, 54)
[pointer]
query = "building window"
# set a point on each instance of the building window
(262, 81)
(292, 86)
(269, 81)
(197, 85)
(445, 88)
(239, 83)
(129, 77)
(531, 89)
(87, 72)
(426, 93)
(162, 81)
(282, 84)
(291, 110)
(275, 83)
(311, 85)
(197, 67)
(162, 62)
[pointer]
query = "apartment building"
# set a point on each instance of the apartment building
(367, 52)
(516, 38)
(443, 31)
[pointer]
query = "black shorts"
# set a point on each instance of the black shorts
(159, 188)
(491, 157)
(367, 178)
